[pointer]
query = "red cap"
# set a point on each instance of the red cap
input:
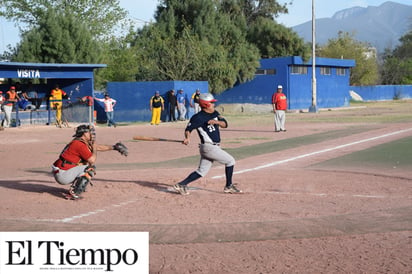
(12, 87)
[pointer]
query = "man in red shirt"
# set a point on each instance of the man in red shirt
(76, 163)
(280, 105)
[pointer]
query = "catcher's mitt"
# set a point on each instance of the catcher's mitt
(121, 148)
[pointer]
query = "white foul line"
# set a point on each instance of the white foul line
(90, 213)
(315, 153)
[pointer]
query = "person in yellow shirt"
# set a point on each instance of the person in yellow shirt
(194, 101)
(156, 107)
(56, 102)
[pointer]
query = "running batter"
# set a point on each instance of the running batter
(207, 123)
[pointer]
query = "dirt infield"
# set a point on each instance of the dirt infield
(333, 194)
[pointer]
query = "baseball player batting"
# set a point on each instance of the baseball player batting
(207, 123)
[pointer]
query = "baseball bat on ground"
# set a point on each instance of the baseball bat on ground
(148, 138)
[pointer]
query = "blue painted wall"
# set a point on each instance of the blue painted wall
(332, 90)
(380, 93)
(133, 98)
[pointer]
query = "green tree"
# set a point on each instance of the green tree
(272, 39)
(346, 47)
(275, 40)
(121, 60)
(100, 17)
(58, 38)
(397, 66)
(253, 10)
(195, 40)
(211, 40)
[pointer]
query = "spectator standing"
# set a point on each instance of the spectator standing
(181, 105)
(279, 103)
(10, 99)
(56, 102)
(171, 96)
(109, 104)
(194, 101)
(156, 107)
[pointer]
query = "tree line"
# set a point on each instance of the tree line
(219, 41)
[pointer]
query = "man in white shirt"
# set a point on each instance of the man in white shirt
(109, 104)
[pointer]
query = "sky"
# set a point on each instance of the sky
(141, 11)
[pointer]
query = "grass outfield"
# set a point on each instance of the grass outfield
(393, 155)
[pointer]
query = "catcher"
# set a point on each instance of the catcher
(76, 163)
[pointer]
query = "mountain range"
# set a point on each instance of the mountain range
(381, 26)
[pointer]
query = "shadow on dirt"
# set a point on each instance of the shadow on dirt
(34, 186)
(38, 171)
(153, 185)
(38, 186)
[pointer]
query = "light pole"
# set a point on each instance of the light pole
(313, 107)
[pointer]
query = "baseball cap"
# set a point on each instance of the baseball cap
(12, 87)
(280, 86)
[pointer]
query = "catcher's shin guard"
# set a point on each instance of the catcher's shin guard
(80, 184)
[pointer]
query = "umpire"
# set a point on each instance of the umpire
(207, 123)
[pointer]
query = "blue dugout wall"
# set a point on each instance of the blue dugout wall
(133, 98)
(381, 93)
(332, 89)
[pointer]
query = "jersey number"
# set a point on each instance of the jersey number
(211, 128)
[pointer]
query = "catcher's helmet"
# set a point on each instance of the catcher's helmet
(80, 130)
(205, 99)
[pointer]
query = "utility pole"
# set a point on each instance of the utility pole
(313, 107)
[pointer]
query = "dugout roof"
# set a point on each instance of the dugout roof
(17, 70)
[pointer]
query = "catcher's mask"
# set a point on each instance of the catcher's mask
(205, 99)
(80, 130)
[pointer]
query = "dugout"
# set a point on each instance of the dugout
(295, 75)
(77, 80)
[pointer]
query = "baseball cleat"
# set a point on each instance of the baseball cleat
(232, 189)
(69, 196)
(181, 189)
